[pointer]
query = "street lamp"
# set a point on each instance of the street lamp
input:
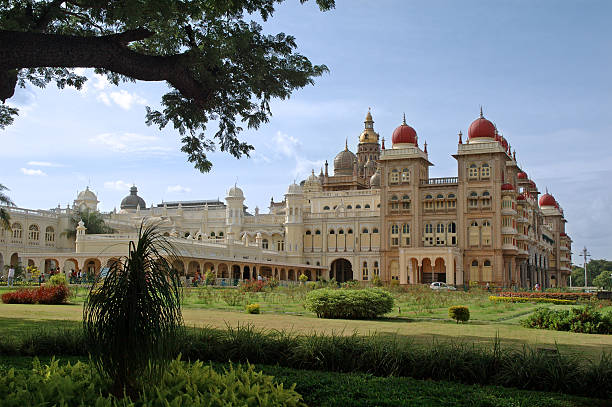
(585, 254)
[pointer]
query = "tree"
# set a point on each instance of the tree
(93, 220)
(5, 216)
(603, 280)
(133, 314)
(219, 66)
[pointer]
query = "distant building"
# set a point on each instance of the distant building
(378, 214)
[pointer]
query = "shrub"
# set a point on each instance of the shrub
(303, 278)
(252, 286)
(376, 281)
(552, 295)
(459, 313)
(58, 279)
(311, 285)
(579, 319)
(349, 304)
(182, 384)
(542, 300)
(209, 278)
(252, 308)
(42, 295)
(232, 297)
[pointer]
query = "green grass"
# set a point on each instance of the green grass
(357, 389)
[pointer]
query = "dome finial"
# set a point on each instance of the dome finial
(346, 144)
(425, 148)
(460, 134)
(404, 119)
(481, 115)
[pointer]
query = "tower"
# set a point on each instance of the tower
(234, 212)
(294, 224)
(368, 151)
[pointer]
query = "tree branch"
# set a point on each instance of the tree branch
(33, 50)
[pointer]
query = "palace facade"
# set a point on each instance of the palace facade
(378, 214)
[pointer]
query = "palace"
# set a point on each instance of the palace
(379, 214)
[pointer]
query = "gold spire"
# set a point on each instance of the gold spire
(368, 116)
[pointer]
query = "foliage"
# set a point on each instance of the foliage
(273, 283)
(252, 308)
(579, 319)
(534, 299)
(603, 280)
(303, 278)
(19, 270)
(132, 316)
(348, 303)
(253, 286)
(181, 384)
(5, 216)
(594, 269)
(232, 297)
(58, 279)
(459, 313)
(209, 278)
(376, 281)
(42, 295)
(376, 354)
(220, 65)
(93, 220)
(556, 295)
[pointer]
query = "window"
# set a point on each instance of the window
(308, 233)
(394, 235)
(428, 238)
(375, 230)
(406, 205)
(331, 231)
(452, 233)
(440, 236)
(33, 232)
(367, 206)
(365, 231)
(440, 228)
(16, 230)
(406, 234)
(451, 201)
(487, 263)
(405, 175)
(394, 198)
(376, 269)
(486, 198)
(473, 171)
(485, 171)
(428, 204)
(49, 234)
(326, 208)
(394, 177)
(364, 270)
(349, 207)
(341, 232)
(264, 244)
(473, 200)
(280, 246)
(357, 206)
(428, 228)
(474, 271)
(474, 234)
(212, 234)
(220, 234)
(440, 201)
(350, 231)
(317, 232)
(394, 229)
(486, 233)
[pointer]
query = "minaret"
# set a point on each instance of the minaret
(368, 148)
(235, 210)
(294, 224)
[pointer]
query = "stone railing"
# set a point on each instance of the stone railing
(440, 181)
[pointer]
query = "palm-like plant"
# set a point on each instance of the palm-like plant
(5, 216)
(93, 220)
(133, 314)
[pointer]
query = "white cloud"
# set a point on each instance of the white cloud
(129, 143)
(125, 99)
(103, 97)
(101, 82)
(179, 189)
(30, 171)
(44, 164)
(117, 185)
(284, 146)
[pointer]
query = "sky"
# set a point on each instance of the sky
(541, 70)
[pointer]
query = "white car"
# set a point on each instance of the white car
(441, 286)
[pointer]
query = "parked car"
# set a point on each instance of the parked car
(441, 286)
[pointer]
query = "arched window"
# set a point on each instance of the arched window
(365, 231)
(440, 228)
(394, 235)
(451, 196)
(394, 229)
(378, 205)
(33, 232)
(428, 228)
(394, 198)
(452, 227)
(405, 228)
(264, 244)
(212, 234)
(349, 207)
(367, 206)
(473, 200)
(485, 171)
(350, 231)
(317, 232)
(375, 230)
(486, 193)
(376, 269)
(186, 234)
(452, 233)
(428, 197)
(406, 198)
(326, 208)
(474, 223)
(49, 234)
(331, 231)
(487, 263)
(341, 232)
(17, 231)
(335, 206)
(220, 234)
(357, 206)
(308, 232)
(394, 176)
(473, 171)
(475, 263)
(440, 196)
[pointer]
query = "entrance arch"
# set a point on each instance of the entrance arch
(236, 272)
(193, 268)
(223, 272)
(246, 274)
(341, 270)
(440, 270)
(426, 272)
(15, 259)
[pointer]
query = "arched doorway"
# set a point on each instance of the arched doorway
(440, 270)
(223, 272)
(71, 265)
(193, 268)
(15, 260)
(236, 272)
(92, 267)
(426, 272)
(246, 274)
(179, 266)
(341, 270)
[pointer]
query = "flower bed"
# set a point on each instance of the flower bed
(558, 296)
(532, 299)
(42, 295)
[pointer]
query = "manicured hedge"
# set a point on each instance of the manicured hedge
(558, 296)
(582, 320)
(459, 313)
(532, 299)
(183, 384)
(349, 303)
(57, 294)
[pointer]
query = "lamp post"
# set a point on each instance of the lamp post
(585, 254)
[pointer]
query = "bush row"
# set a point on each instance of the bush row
(533, 299)
(583, 320)
(526, 368)
(42, 295)
(558, 296)
(182, 385)
(349, 303)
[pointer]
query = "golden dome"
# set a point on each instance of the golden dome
(368, 135)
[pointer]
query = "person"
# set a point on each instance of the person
(537, 287)
(259, 277)
(488, 287)
(11, 276)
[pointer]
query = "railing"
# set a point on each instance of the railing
(440, 181)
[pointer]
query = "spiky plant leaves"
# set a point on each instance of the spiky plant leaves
(133, 314)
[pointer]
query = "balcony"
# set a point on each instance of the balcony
(508, 211)
(440, 181)
(508, 231)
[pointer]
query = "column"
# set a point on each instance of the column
(450, 270)
(403, 275)
(459, 261)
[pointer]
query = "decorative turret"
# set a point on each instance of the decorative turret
(294, 225)
(235, 210)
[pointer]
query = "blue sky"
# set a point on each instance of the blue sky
(540, 69)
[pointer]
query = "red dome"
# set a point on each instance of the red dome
(547, 200)
(507, 187)
(522, 175)
(521, 197)
(481, 127)
(404, 134)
